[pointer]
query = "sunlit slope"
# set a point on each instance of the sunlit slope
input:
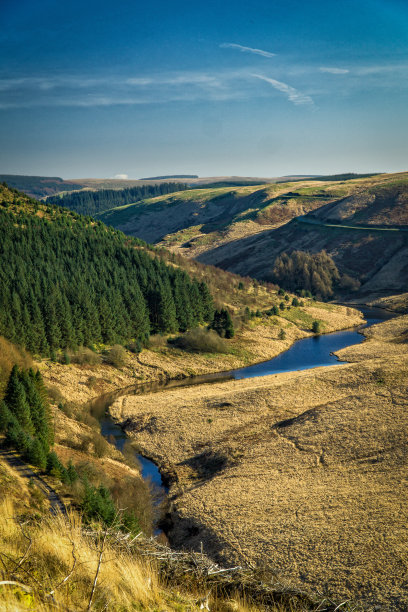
(200, 216)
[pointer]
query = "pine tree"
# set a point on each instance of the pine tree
(5, 416)
(36, 454)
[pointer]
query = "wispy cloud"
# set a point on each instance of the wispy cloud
(247, 49)
(81, 91)
(334, 70)
(293, 95)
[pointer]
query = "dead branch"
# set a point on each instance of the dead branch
(68, 576)
(30, 542)
(101, 551)
(18, 584)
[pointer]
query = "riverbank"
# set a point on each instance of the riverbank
(304, 471)
(255, 341)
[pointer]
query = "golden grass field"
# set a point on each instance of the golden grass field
(303, 472)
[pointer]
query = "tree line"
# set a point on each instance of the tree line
(67, 281)
(94, 202)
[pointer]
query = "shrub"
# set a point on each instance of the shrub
(295, 302)
(222, 323)
(316, 327)
(201, 340)
(282, 334)
(135, 347)
(349, 284)
(157, 341)
(85, 356)
(101, 446)
(116, 356)
(282, 306)
(54, 394)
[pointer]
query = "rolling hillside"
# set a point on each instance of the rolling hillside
(243, 229)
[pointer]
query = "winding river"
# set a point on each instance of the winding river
(304, 354)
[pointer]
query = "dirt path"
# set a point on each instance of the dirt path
(14, 461)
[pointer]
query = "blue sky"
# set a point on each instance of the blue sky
(261, 88)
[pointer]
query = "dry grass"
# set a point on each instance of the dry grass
(122, 581)
(312, 479)
(10, 355)
(53, 563)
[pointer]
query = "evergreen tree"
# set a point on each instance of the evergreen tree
(222, 323)
(36, 454)
(5, 416)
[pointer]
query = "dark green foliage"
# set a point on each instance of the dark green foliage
(5, 416)
(275, 311)
(68, 282)
(316, 327)
(240, 285)
(94, 202)
(54, 465)
(222, 323)
(97, 504)
(282, 334)
(35, 454)
(25, 417)
(282, 306)
(295, 302)
(72, 474)
(315, 273)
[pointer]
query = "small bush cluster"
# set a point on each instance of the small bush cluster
(222, 323)
(201, 340)
(85, 356)
(116, 356)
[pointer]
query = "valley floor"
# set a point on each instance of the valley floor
(304, 472)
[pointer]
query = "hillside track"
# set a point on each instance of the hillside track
(370, 228)
(24, 470)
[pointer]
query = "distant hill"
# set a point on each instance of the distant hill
(244, 228)
(38, 186)
(90, 202)
(170, 176)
